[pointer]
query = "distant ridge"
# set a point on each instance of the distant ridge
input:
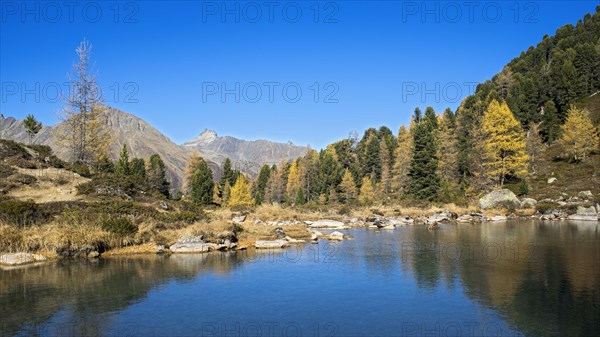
(143, 140)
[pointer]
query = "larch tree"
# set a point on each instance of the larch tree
(293, 181)
(447, 148)
(367, 192)
(579, 137)
(240, 193)
(217, 195)
(32, 127)
(504, 144)
(386, 168)
(85, 131)
(535, 146)
(404, 152)
(347, 187)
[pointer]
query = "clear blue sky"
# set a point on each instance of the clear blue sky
(167, 62)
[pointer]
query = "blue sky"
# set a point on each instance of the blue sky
(239, 67)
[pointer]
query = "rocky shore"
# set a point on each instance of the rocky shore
(581, 208)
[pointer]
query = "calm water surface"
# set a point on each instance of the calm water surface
(520, 278)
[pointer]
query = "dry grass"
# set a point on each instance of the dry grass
(52, 185)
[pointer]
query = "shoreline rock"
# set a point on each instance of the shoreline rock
(19, 259)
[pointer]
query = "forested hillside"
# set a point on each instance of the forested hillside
(511, 132)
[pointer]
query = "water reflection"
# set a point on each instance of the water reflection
(540, 279)
(543, 278)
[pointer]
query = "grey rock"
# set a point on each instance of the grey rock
(528, 202)
(17, 259)
(586, 195)
(497, 198)
(270, 244)
(190, 244)
(336, 236)
(551, 180)
(239, 219)
(586, 210)
(279, 233)
(498, 218)
(325, 223)
(164, 205)
(292, 240)
(464, 218)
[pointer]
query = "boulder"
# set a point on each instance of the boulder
(190, 244)
(270, 244)
(314, 237)
(464, 218)
(279, 233)
(497, 198)
(498, 218)
(227, 236)
(437, 218)
(292, 240)
(324, 223)
(586, 195)
(528, 202)
(17, 259)
(586, 210)
(336, 236)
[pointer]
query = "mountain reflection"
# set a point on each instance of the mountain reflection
(87, 290)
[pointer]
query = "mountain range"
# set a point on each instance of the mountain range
(143, 140)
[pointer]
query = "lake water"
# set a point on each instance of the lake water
(518, 278)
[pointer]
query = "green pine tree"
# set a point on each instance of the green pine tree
(123, 162)
(424, 181)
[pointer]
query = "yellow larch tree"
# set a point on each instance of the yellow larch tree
(348, 187)
(504, 144)
(367, 192)
(293, 182)
(403, 158)
(578, 137)
(240, 193)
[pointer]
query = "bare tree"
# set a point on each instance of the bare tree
(86, 133)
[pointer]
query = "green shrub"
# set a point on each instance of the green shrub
(6, 171)
(21, 213)
(121, 226)
(344, 210)
(25, 179)
(56, 162)
(82, 170)
(44, 151)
